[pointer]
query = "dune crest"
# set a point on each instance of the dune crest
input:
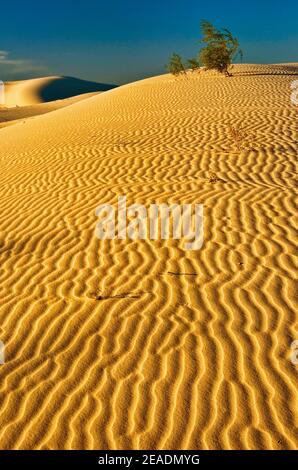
(140, 344)
(46, 89)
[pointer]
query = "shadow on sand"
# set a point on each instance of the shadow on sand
(66, 87)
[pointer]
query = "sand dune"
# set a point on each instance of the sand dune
(139, 344)
(10, 116)
(45, 89)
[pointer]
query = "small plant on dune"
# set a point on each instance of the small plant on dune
(213, 178)
(176, 66)
(220, 50)
(240, 138)
(194, 65)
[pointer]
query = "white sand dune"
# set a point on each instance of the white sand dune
(45, 89)
(140, 344)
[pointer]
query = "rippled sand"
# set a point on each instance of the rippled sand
(140, 344)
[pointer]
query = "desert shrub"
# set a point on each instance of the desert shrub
(240, 138)
(176, 66)
(219, 51)
(194, 65)
(221, 48)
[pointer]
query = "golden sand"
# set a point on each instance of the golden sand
(10, 116)
(111, 344)
(14, 115)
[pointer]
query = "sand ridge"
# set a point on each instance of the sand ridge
(14, 115)
(112, 344)
(45, 89)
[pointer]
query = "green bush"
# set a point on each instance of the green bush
(176, 66)
(220, 50)
(193, 64)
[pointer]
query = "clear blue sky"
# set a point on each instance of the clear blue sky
(118, 41)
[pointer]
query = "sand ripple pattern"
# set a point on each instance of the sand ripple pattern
(140, 344)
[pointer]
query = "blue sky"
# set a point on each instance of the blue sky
(118, 41)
